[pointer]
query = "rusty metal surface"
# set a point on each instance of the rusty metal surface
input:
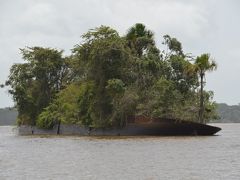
(164, 126)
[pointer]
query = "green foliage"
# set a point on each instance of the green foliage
(86, 103)
(139, 39)
(70, 107)
(46, 119)
(35, 82)
(115, 87)
(173, 45)
(228, 113)
(160, 100)
(183, 82)
(203, 64)
(104, 55)
(108, 78)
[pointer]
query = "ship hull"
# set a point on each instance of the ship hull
(170, 129)
(136, 126)
(163, 126)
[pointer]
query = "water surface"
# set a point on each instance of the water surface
(150, 158)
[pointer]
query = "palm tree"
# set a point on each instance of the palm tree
(139, 38)
(202, 64)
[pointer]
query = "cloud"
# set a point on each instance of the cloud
(201, 26)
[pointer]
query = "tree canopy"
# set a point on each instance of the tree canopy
(108, 78)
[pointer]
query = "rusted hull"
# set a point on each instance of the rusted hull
(173, 129)
(137, 126)
(160, 126)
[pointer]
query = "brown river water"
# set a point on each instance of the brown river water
(147, 158)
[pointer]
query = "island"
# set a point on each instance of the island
(112, 84)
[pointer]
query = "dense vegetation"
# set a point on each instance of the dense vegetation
(109, 77)
(228, 114)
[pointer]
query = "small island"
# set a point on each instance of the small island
(113, 85)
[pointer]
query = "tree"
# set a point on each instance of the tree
(146, 64)
(35, 83)
(173, 45)
(183, 81)
(139, 38)
(107, 78)
(203, 64)
(20, 81)
(104, 56)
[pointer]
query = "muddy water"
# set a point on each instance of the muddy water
(70, 158)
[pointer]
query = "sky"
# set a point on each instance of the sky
(202, 26)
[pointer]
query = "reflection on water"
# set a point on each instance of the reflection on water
(71, 157)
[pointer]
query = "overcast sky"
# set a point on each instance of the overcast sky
(202, 26)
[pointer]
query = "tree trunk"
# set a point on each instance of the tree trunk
(58, 128)
(201, 109)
